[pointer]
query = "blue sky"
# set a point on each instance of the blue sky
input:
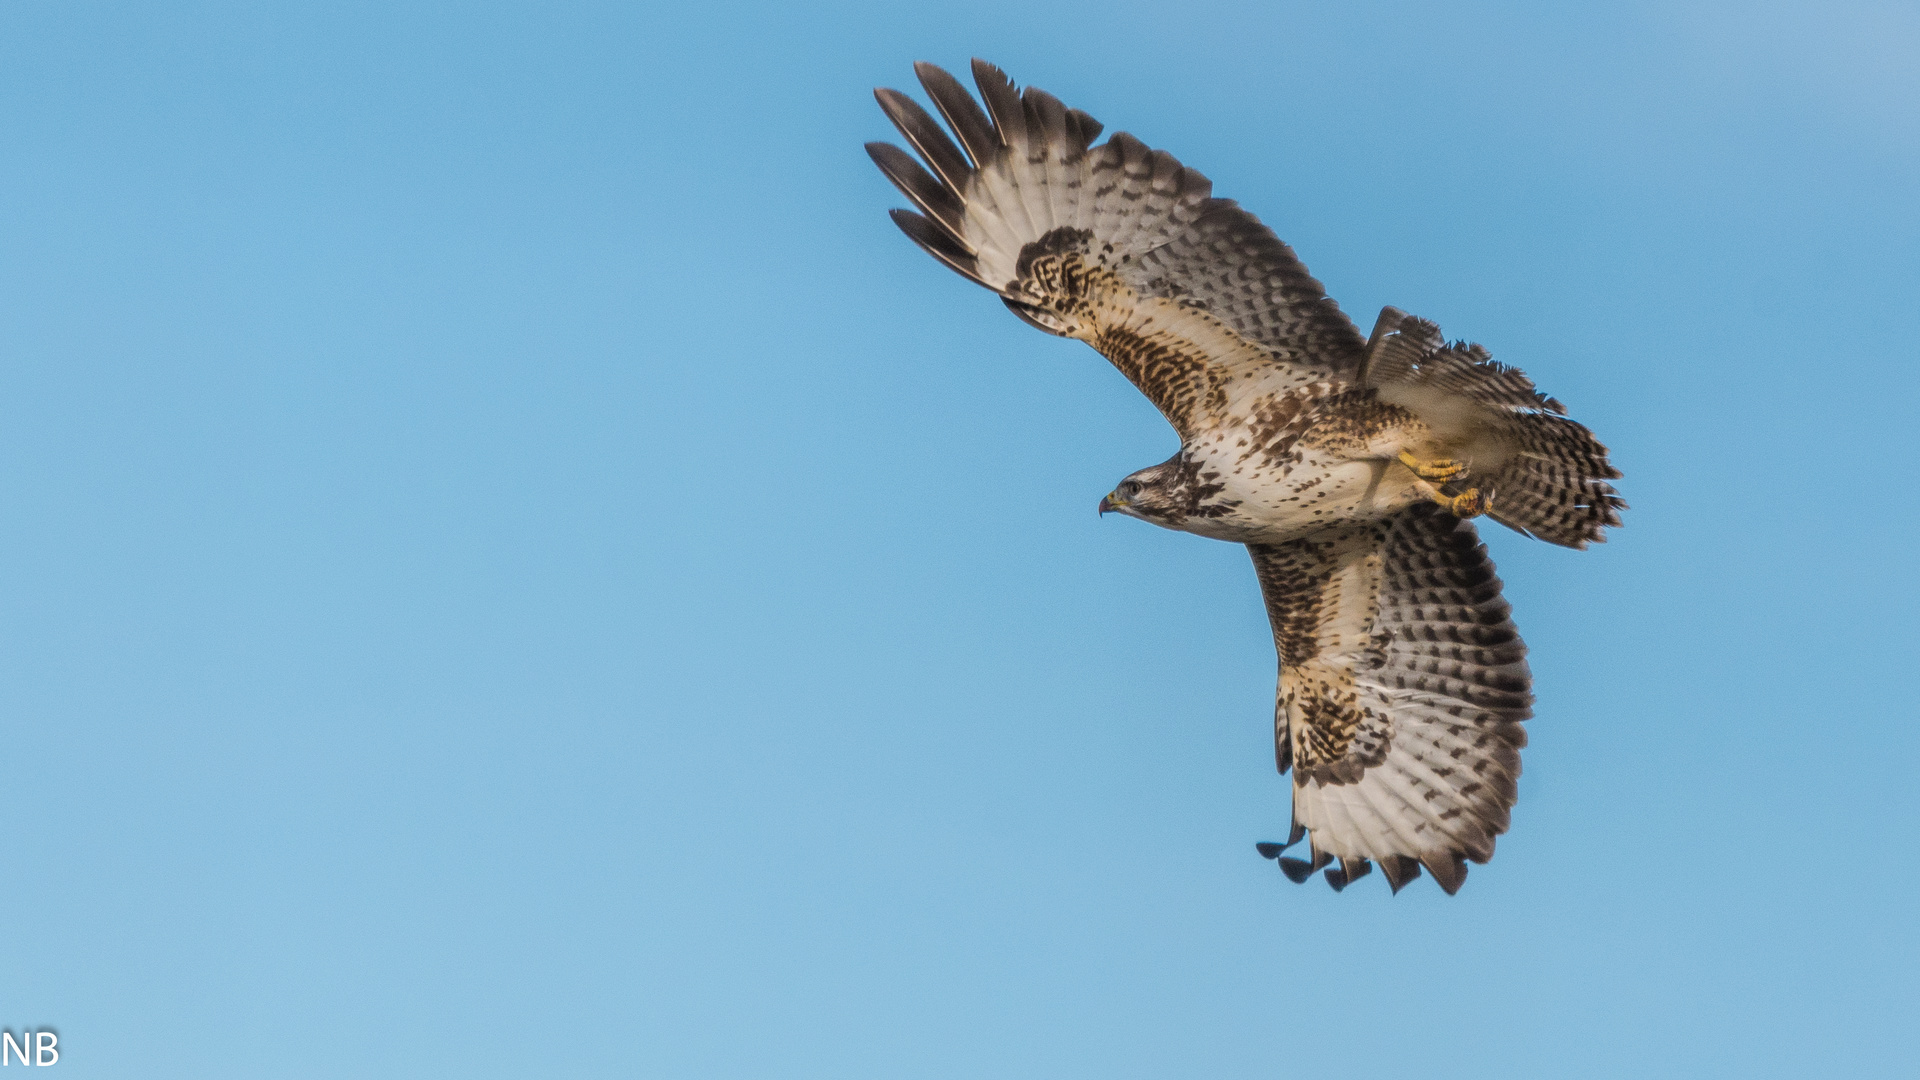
(510, 565)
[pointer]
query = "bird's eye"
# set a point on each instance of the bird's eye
(1129, 488)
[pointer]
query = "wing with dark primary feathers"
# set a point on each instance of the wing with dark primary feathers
(1403, 684)
(1116, 244)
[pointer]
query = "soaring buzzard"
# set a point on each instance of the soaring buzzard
(1349, 466)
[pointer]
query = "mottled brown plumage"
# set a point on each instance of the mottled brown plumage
(1343, 463)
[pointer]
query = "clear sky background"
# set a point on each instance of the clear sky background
(510, 565)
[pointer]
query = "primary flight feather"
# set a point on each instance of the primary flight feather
(1350, 467)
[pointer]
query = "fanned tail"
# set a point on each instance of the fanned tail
(1548, 474)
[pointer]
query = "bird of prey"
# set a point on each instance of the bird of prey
(1351, 467)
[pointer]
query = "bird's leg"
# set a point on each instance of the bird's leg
(1470, 503)
(1431, 471)
(1438, 469)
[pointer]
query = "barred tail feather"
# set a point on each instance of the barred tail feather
(1554, 486)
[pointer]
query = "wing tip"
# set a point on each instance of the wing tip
(1348, 872)
(989, 72)
(1449, 870)
(1269, 849)
(935, 242)
(1299, 870)
(1399, 870)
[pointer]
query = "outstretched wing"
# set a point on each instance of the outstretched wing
(1403, 684)
(1116, 244)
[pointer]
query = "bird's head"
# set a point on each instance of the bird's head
(1158, 494)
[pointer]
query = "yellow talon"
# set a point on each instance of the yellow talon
(1470, 503)
(1440, 469)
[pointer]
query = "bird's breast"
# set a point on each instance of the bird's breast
(1269, 498)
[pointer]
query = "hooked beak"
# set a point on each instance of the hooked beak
(1112, 501)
